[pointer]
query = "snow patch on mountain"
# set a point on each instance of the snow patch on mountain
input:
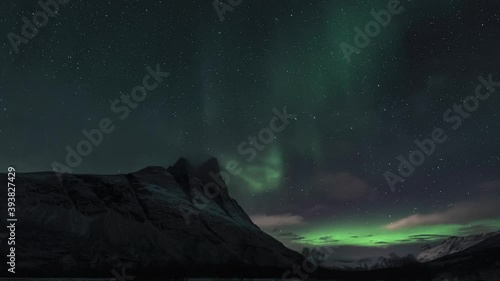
(453, 245)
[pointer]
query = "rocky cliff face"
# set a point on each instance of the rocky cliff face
(90, 224)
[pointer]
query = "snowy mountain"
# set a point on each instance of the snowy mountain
(361, 264)
(88, 225)
(371, 263)
(364, 264)
(454, 245)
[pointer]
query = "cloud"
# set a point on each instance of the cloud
(268, 221)
(287, 234)
(487, 206)
(425, 237)
(458, 214)
(328, 239)
(489, 189)
(290, 236)
(343, 186)
(490, 186)
(473, 229)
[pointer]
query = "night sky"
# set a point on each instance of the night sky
(318, 182)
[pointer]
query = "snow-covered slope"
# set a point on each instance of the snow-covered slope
(453, 245)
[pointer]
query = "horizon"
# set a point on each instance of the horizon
(350, 250)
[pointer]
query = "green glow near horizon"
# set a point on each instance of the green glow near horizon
(376, 235)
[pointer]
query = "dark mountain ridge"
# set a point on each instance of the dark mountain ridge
(88, 225)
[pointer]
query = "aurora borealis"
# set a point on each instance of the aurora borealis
(357, 234)
(320, 181)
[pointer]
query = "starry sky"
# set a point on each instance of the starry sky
(318, 182)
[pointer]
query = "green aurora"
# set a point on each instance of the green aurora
(375, 234)
(262, 173)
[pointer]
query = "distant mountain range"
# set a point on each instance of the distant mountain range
(469, 258)
(455, 245)
(371, 263)
(452, 247)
